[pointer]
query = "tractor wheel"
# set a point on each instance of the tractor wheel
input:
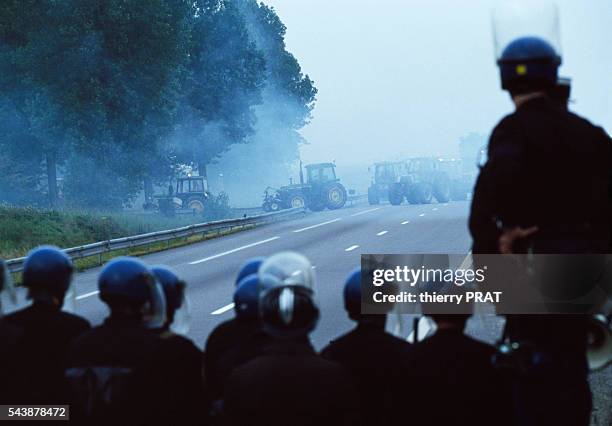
(335, 196)
(274, 206)
(396, 194)
(442, 190)
(266, 207)
(196, 204)
(373, 197)
(297, 201)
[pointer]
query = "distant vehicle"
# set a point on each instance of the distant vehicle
(190, 193)
(461, 180)
(320, 190)
(421, 181)
(385, 175)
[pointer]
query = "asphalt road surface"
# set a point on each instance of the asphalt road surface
(332, 240)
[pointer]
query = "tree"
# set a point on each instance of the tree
(224, 83)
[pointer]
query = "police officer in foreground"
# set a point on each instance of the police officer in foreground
(10, 336)
(47, 330)
(372, 355)
(182, 394)
(449, 377)
(539, 157)
(111, 369)
(225, 341)
(288, 383)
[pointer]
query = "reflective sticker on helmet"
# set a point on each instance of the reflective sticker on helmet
(521, 69)
(285, 305)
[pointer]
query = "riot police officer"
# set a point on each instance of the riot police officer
(10, 336)
(288, 383)
(47, 330)
(111, 369)
(453, 369)
(539, 156)
(183, 396)
(372, 355)
(225, 341)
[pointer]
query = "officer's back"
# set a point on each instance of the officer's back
(236, 340)
(450, 379)
(183, 396)
(46, 331)
(288, 383)
(111, 370)
(542, 156)
(372, 356)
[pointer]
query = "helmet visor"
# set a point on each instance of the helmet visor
(8, 295)
(154, 311)
(182, 316)
(513, 19)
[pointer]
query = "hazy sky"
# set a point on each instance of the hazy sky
(401, 78)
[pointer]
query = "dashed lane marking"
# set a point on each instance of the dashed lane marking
(422, 214)
(223, 309)
(365, 211)
(406, 222)
(434, 209)
(206, 259)
(381, 233)
(351, 248)
(86, 295)
(317, 225)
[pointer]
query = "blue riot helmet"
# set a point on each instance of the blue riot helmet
(246, 298)
(352, 294)
(527, 45)
(287, 303)
(129, 288)
(47, 274)
(251, 266)
(178, 310)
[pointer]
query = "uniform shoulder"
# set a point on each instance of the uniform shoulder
(577, 120)
(76, 321)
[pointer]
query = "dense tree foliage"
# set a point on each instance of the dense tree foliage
(102, 96)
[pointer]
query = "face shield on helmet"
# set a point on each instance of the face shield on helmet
(514, 19)
(7, 291)
(287, 304)
(178, 308)
(154, 310)
(126, 284)
(527, 45)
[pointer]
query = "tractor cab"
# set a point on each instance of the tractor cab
(320, 173)
(191, 185)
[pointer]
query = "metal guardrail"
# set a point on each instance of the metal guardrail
(99, 248)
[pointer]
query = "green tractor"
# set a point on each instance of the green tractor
(385, 175)
(321, 189)
(423, 181)
(191, 193)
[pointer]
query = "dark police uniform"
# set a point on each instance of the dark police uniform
(224, 350)
(183, 396)
(47, 333)
(450, 380)
(113, 374)
(373, 357)
(289, 384)
(547, 168)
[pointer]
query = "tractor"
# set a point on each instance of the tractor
(385, 175)
(422, 181)
(321, 189)
(461, 178)
(190, 193)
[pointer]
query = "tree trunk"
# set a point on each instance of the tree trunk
(148, 191)
(52, 178)
(203, 173)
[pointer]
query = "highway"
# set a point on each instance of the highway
(332, 240)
